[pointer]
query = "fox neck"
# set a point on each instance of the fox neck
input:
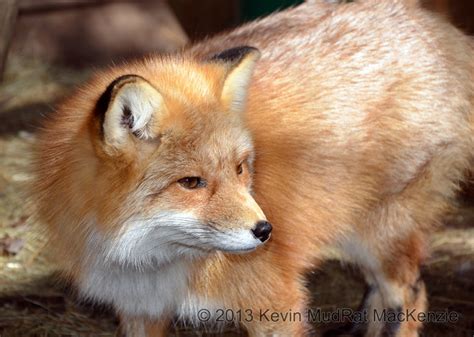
(150, 292)
(155, 286)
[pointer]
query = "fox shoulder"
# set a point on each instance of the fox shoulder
(409, 3)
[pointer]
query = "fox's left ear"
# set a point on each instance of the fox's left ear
(240, 63)
(130, 109)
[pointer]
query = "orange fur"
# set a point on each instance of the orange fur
(361, 119)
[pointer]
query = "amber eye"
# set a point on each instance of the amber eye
(240, 168)
(192, 182)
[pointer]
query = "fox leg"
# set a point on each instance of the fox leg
(289, 330)
(140, 327)
(278, 329)
(157, 328)
(390, 305)
(397, 293)
(280, 312)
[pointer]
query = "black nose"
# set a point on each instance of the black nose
(262, 230)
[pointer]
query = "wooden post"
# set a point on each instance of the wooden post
(8, 15)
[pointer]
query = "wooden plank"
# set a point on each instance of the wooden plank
(8, 15)
(36, 3)
(202, 18)
(28, 5)
(96, 35)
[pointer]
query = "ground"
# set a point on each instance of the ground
(33, 301)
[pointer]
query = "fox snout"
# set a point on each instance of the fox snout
(262, 230)
(238, 223)
(243, 240)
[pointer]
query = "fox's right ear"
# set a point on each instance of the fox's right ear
(130, 108)
(239, 63)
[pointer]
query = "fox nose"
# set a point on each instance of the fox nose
(262, 230)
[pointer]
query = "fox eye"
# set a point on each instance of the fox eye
(240, 168)
(192, 182)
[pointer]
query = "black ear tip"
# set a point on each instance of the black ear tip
(103, 102)
(104, 99)
(234, 54)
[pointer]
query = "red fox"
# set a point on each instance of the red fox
(211, 179)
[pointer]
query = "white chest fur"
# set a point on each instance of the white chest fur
(131, 291)
(140, 274)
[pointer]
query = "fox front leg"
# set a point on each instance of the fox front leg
(142, 327)
(285, 317)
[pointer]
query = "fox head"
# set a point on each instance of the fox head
(171, 160)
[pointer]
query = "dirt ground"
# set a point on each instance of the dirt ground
(34, 303)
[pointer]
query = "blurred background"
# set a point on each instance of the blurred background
(49, 46)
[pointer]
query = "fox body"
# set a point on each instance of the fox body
(346, 125)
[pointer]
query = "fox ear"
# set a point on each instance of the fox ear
(240, 63)
(130, 107)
